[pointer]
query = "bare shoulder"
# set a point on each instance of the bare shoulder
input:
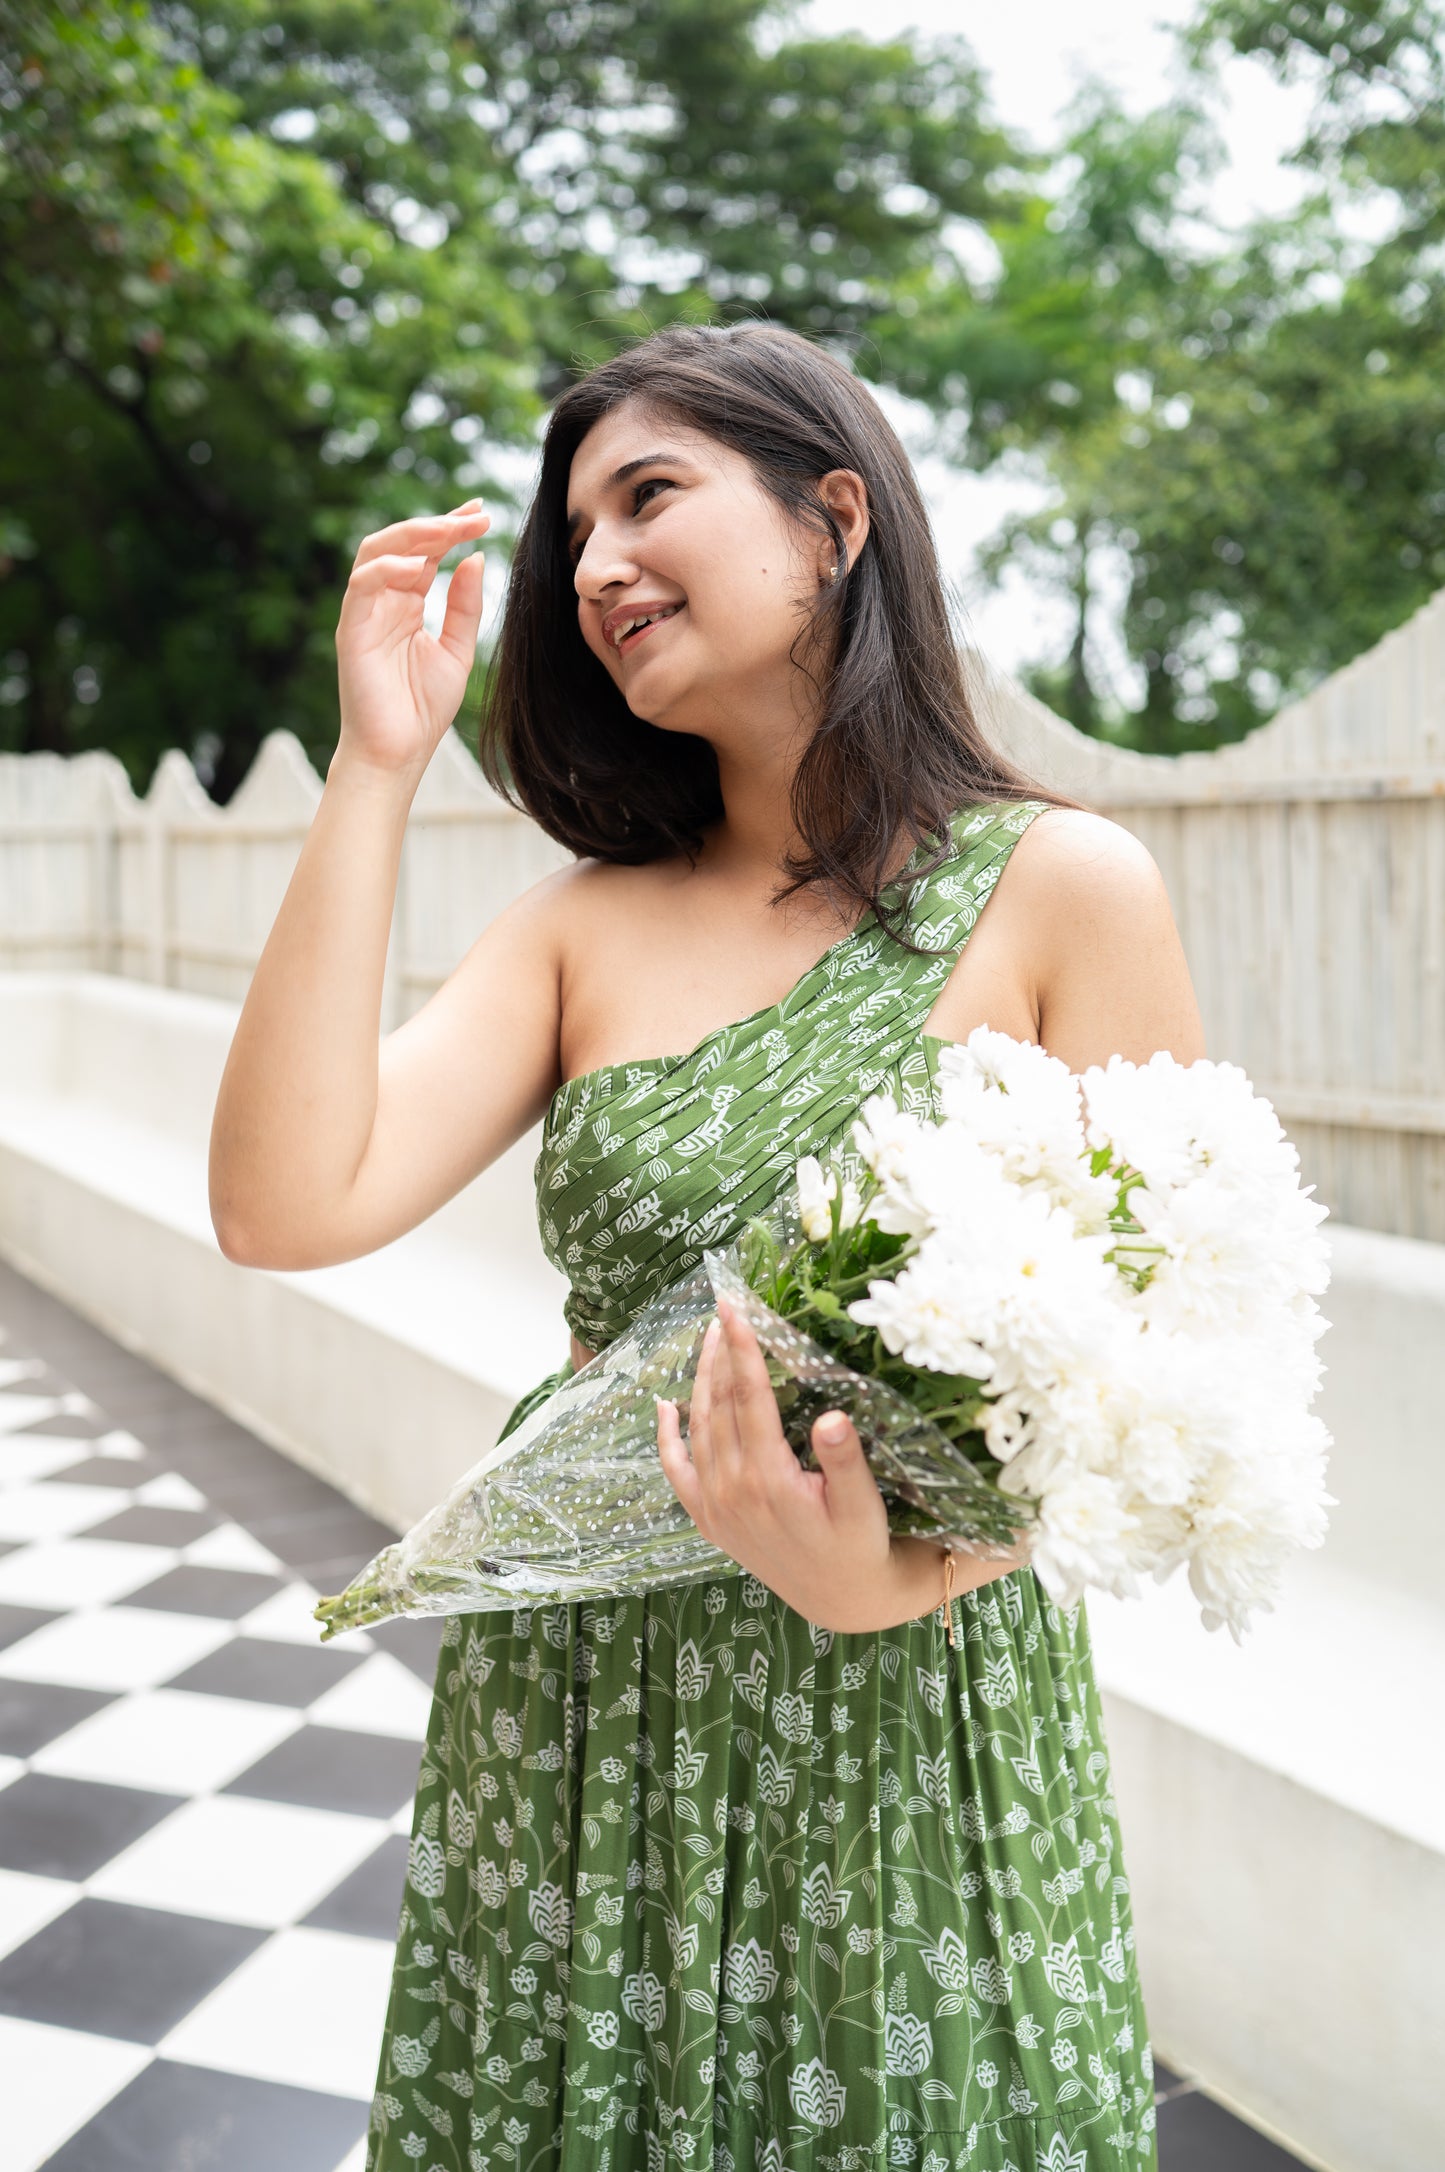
(590, 903)
(1108, 965)
(1070, 857)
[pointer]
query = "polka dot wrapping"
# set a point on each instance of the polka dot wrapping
(574, 1503)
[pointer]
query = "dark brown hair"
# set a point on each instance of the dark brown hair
(897, 748)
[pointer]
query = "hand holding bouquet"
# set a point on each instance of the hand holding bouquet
(1092, 1320)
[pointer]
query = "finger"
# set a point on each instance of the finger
(673, 1455)
(850, 1487)
(699, 1426)
(435, 533)
(755, 1405)
(392, 572)
(464, 611)
(729, 1469)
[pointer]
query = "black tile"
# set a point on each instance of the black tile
(190, 1589)
(335, 1768)
(68, 1425)
(34, 1713)
(270, 1672)
(156, 1526)
(338, 1531)
(1198, 2135)
(112, 1377)
(414, 1639)
(178, 2118)
(115, 1970)
(43, 1381)
(1166, 2080)
(368, 1903)
(18, 1621)
(242, 1475)
(104, 1470)
(67, 1828)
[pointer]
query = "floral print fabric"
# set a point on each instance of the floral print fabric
(694, 1883)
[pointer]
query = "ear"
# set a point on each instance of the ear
(845, 493)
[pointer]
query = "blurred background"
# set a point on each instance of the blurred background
(1155, 293)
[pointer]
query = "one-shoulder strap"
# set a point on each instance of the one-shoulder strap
(943, 913)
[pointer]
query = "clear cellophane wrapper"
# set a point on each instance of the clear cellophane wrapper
(574, 1503)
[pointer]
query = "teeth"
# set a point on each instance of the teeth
(623, 631)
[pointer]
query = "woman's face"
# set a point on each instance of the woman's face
(666, 520)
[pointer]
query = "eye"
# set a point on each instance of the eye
(651, 482)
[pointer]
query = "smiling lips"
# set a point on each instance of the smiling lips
(623, 642)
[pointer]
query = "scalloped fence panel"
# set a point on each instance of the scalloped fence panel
(1306, 868)
(1305, 864)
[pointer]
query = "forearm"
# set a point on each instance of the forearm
(298, 1095)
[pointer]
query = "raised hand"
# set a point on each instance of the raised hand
(400, 685)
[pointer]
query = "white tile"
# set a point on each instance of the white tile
(381, 1697)
(114, 1647)
(170, 1490)
(56, 2080)
(118, 1442)
(174, 1740)
(239, 1860)
(229, 1547)
(307, 2008)
(18, 1411)
(28, 1903)
(287, 1618)
(57, 1510)
(81, 1572)
(355, 2159)
(24, 1457)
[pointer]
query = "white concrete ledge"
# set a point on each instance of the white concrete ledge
(387, 1375)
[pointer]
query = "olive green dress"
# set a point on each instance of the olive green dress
(693, 1883)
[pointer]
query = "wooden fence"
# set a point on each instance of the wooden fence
(1306, 866)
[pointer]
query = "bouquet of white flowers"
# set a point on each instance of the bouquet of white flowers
(1078, 1307)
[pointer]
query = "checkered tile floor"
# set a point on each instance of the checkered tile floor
(204, 1811)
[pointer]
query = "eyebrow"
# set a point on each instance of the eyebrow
(620, 475)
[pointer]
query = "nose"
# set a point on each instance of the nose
(602, 565)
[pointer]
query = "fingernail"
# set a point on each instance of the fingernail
(833, 1426)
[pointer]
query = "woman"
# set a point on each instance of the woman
(760, 1872)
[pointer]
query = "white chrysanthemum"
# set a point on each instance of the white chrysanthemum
(1250, 1511)
(1079, 1539)
(1023, 1106)
(923, 1317)
(1173, 1121)
(1042, 1294)
(816, 1192)
(1223, 1261)
(889, 1139)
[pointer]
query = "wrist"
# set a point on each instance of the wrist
(353, 775)
(919, 1576)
